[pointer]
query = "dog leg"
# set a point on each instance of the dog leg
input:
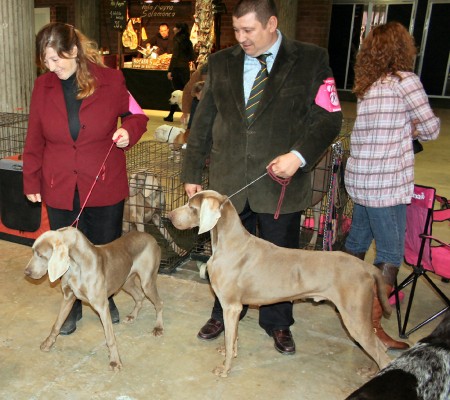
(231, 321)
(64, 311)
(151, 291)
(102, 308)
(130, 286)
(359, 325)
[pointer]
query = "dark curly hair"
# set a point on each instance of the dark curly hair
(388, 49)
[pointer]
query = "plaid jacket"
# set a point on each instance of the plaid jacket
(380, 170)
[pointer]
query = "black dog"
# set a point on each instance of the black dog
(420, 373)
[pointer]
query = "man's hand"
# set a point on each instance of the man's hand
(192, 188)
(285, 166)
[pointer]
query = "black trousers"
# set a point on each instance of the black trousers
(100, 225)
(284, 232)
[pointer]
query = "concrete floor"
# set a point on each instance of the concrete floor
(178, 365)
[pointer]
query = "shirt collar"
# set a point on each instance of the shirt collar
(272, 50)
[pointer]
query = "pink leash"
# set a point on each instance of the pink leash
(95, 181)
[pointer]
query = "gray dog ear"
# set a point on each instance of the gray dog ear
(150, 185)
(59, 262)
(133, 184)
(209, 214)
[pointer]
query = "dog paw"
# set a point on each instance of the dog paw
(115, 366)
(367, 372)
(220, 371)
(47, 344)
(221, 350)
(158, 331)
(129, 319)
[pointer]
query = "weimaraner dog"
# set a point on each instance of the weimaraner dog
(244, 269)
(146, 203)
(94, 273)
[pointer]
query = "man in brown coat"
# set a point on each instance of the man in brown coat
(292, 126)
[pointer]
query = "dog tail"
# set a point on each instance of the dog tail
(381, 289)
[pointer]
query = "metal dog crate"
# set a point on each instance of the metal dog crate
(326, 222)
(154, 170)
(333, 207)
(13, 129)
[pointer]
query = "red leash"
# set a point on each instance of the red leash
(95, 181)
(283, 182)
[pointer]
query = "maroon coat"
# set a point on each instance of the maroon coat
(54, 164)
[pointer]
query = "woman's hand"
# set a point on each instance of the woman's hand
(34, 198)
(121, 138)
(169, 76)
(184, 119)
(415, 132)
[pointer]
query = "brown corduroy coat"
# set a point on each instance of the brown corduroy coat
(287, 119)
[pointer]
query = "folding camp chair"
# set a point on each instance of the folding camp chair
(423, 252)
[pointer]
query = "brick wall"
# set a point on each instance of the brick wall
(313, 21)
(60, 11)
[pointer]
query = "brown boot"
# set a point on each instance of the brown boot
(389, 272)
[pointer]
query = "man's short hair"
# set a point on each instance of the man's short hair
(264, 9)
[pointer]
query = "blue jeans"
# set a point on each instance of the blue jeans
(385, 225)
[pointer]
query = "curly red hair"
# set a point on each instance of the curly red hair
(388, 49)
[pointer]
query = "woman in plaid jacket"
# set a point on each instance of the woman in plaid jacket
(392, 110)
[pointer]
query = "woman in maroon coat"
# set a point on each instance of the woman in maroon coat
(74, 113)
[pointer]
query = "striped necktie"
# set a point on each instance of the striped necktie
(257, 88)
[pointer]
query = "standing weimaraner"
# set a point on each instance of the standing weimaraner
(244, 269)
(94, 273)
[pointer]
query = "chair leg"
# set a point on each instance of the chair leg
(397, 288)
(438, 291)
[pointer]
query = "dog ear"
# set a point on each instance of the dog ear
(209, 214)
(150, 185)
(59, 262)
(132, 183)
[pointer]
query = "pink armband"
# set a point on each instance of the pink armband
(133, 106)
(327, 96)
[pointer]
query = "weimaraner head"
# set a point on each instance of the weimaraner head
(145, 194)
(50, 254)
(203, 210)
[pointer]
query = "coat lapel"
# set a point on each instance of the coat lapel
(235, 70)
(56, 95)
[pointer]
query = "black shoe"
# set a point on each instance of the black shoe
(70, 324)
(168, 118)
(113, 311)
(283, 341)
(211, 330)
